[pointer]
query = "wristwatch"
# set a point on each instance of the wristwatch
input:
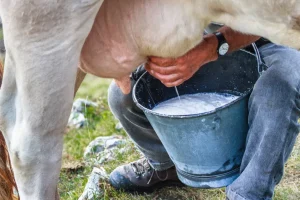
(223, 46)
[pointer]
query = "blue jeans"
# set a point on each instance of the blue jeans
(274, 108)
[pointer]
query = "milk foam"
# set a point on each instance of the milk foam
(194, 103)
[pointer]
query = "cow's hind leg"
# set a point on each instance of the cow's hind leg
(43, 40)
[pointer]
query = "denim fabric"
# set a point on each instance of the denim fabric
(274, 108)
(273, 119)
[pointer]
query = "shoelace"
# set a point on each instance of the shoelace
(140, 168)
(154, 171)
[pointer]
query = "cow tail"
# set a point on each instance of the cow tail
(1, 72)
(7, 180)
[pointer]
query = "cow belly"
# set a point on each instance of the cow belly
(126, 32)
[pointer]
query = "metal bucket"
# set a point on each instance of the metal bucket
(214, 142)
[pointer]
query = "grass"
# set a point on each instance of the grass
(102, 123)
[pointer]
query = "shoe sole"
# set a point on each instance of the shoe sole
(139, 189)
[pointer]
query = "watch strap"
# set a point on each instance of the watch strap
(221, 40)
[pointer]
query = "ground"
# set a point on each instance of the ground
(101, 123)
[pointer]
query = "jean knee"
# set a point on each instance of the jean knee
(118, 102)
(283, 65)
(114, 99)
(275, 82)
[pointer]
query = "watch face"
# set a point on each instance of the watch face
(223, 49)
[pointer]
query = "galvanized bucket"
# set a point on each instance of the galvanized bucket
(206, 148)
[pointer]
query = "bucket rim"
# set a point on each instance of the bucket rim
(146, 110)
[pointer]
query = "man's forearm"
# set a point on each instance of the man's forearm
(174, 71)
(236, 40)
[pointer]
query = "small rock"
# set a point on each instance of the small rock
(113, 142)
(80, 104)
(77, 118)
(110, 154)
(92, 189)
(103, 143)
(119, 126)
(105, 156)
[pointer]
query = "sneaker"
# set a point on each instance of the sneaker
(139, 176)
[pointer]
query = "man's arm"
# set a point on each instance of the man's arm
(173, 72)
(236, 40)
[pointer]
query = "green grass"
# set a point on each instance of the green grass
(93, 88)
(102, 123)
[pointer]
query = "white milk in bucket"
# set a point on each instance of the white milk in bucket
(194, 103)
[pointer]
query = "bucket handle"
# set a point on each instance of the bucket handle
(261, 66)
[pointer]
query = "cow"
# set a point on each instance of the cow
(46, 40)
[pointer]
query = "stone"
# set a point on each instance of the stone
(79, 105)
(110, 154)
(101, 144)
(76, 120)
(92, 189)
(105, 156)
(77, 117)
(119, 126)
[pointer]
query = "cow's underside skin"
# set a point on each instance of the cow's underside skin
(44, 39)
(127, 31)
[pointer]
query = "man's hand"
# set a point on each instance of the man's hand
(173, 72)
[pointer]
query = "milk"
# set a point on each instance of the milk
(194, 103)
